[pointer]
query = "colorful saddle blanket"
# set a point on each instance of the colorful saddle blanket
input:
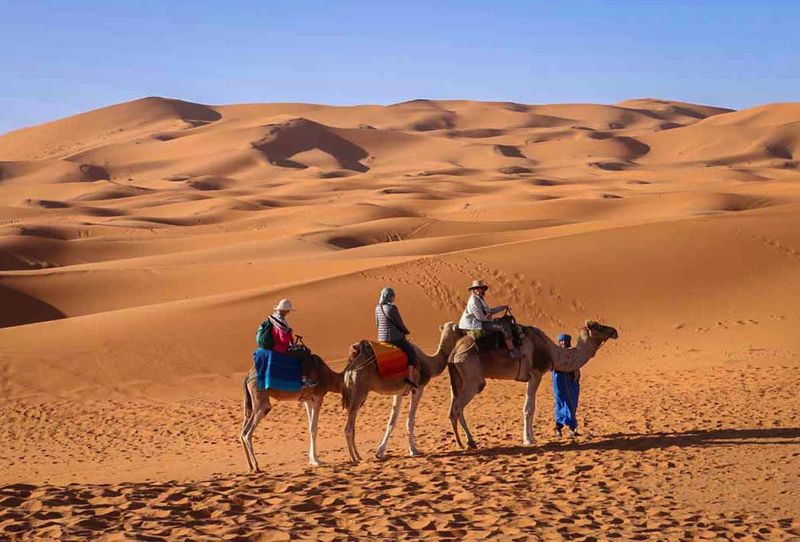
(277, 371)
(391, 360)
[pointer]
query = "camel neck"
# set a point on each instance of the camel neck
(572, 359)
(438, 361)
(586, 347)
(333, 380)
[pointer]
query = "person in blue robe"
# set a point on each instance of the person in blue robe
(566, 390)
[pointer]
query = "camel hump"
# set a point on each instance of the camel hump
(463, 345)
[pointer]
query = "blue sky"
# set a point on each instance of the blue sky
(62, 57)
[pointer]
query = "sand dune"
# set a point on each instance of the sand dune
(142, 243)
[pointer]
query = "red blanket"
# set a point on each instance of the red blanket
(392, 361)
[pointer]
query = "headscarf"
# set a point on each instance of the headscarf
(565, 338)
(279, 320)
(387, 295)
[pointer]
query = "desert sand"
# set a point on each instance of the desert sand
(142, 243)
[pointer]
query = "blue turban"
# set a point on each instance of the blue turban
(387, 294)
(565, 338)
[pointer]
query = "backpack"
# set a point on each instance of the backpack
(264, 335)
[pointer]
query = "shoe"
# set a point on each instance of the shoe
(557, 432)
(309, 382)
(573, 433)
(410, 382)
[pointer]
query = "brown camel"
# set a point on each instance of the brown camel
(469, 369)
(361, 376)
(257, 405)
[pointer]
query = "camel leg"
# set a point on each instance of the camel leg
(247, 403)
(350, 433)
(313, 407)
(454, 420)
(358, 395)
(466, 396)
(470, 441)
(530, 408)
(247, 423)
(455, 387)
(397, 403)
(457, 406)
(412, 418)
(261, 407)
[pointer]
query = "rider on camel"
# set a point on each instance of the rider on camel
(479, 316)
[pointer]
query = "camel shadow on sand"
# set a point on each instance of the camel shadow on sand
(649, 441)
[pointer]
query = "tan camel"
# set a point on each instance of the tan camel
(468, 370)
(257, 405)
(361, 377)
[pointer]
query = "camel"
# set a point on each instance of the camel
(257, 405)
(361, 377)
(468, 370)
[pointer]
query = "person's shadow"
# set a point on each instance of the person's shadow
(648, 441)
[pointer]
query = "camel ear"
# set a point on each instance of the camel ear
(590, 323)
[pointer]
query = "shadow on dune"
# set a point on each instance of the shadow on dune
(283, 141)
(24, 309)
(641, 442)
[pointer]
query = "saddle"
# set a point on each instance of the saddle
(391, 361)
(487, 340)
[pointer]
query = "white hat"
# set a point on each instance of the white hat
(478, 283)
(283, 305)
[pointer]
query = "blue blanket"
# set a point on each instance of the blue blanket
(277, 371)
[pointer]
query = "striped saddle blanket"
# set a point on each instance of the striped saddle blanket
(391, 360)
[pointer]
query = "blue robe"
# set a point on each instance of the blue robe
(566, 390)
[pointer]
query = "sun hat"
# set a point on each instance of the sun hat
(283, 305)
(478, 283)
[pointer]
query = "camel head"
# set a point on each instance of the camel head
(600, 332)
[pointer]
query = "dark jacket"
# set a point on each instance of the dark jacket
(390, 323)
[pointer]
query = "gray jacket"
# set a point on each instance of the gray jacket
(477, 312)
(390, 324)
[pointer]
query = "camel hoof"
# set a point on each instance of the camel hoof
(472, 445)
(529, 443)
(315, 463)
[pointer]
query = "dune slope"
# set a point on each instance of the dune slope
(142, 243)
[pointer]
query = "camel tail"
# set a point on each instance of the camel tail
(349, 380)
(453, 372)
(349, 376)
(354, 365)
(247, 401)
